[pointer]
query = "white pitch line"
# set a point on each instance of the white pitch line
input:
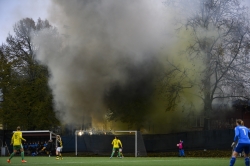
(111, 160)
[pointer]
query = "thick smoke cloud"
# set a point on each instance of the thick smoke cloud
(98, 44)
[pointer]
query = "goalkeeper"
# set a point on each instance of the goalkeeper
(241, 135)
(116, 144)
(234, 146)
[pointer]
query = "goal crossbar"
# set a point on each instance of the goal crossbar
(51, 134)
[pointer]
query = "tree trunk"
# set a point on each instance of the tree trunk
(207, 113)
(207, 100)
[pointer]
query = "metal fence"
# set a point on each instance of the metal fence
(151, 143)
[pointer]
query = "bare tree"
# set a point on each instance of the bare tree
(220, 33)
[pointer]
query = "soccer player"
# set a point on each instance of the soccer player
(16, 140)
(233, 147)
(48, 147)
(241, 135)
(181, 149)
(116, 143)
(59, 147)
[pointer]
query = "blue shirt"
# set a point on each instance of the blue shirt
(241, 134)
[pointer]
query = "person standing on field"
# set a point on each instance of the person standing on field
(241, 135)
(16, 140)
(116, 144)
(181, 149)
(59, 147)
(48, 147)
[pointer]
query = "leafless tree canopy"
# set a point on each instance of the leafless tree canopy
(220, 40)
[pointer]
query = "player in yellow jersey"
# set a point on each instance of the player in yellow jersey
(16, 140)
(116, 144)
(59, 147)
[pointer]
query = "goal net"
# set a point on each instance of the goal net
(100, 144)
(140, 149)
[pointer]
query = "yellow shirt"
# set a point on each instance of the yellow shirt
(17, 138)
(116, 143)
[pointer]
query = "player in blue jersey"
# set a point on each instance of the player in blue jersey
(241, 135)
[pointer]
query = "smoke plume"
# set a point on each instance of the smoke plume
(101, 43)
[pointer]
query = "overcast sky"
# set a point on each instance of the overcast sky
(11, 11)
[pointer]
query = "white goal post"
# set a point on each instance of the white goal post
(135, 139)
(138, 146)
(39, 133)
(80, 133)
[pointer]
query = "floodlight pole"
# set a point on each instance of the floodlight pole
(76, 142)
(135, 139)
(76, 133)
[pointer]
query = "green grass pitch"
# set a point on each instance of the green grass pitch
(131, 161)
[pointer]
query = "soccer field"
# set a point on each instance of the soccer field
(131, 161)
